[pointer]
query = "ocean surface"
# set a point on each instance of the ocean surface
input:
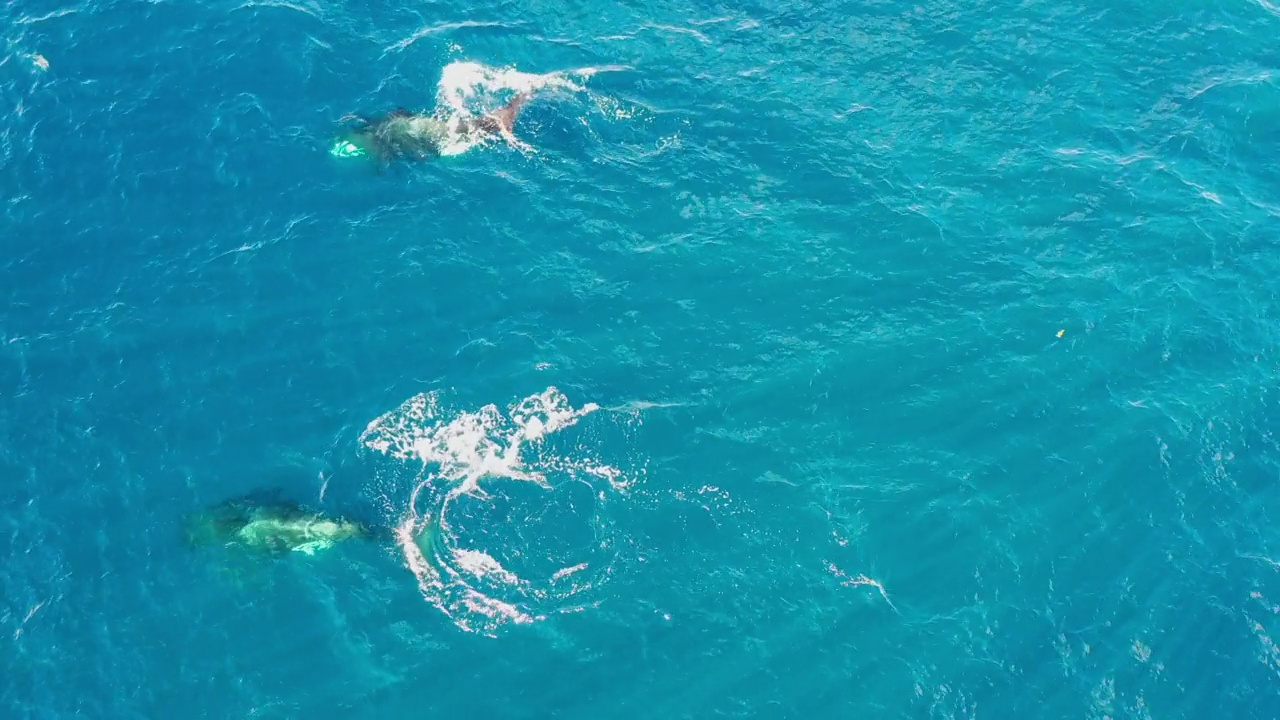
(813, 360)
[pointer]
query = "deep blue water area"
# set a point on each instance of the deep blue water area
(815, 360)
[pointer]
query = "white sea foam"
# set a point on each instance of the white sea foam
(458, 452)
(469, 89)
(468, 446)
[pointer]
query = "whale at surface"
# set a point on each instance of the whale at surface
(270, 526)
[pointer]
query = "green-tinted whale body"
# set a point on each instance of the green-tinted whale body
(274, 527)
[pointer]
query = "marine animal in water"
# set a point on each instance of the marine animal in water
(401, 134)
(271, 526)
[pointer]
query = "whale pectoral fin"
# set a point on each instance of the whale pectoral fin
(499, 122)
(503, 121)
(506, 117)
(310, 548)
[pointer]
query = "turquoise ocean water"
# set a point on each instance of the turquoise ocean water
(819, 360)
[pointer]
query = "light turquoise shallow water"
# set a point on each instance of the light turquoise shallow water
(909, 360)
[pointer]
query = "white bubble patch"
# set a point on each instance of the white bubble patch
(469, 89)
(521, 496)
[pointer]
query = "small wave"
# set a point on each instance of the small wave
(457, 451)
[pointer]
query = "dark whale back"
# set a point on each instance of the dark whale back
(400, 134)
(393, 137)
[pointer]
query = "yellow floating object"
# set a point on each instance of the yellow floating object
(1061, 333)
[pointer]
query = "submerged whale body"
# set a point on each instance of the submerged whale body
(270, 526)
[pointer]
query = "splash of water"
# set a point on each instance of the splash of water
(458, 450)
(468, 89)
(468, 86)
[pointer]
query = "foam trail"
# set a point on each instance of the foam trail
(457, 451)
